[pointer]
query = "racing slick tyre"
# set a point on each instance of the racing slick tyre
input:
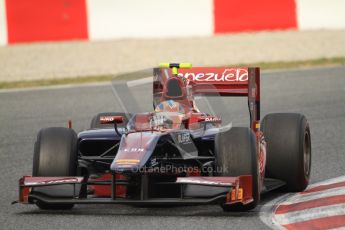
(96, 124)
(288, 149)
(236, 155)
(55, 154)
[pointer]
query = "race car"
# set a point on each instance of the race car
(174, 154)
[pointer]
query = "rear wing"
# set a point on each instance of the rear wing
(220, 81)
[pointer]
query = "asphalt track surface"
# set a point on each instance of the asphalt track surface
(317, 93)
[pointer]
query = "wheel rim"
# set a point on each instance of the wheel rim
(307, 154)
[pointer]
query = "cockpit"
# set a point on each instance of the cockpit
(158, 121)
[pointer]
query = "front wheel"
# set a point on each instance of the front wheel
(55, 155)
(235, 156)
(288, 149)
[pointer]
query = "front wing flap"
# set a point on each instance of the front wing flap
(195, 190)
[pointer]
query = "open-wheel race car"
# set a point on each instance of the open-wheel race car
(175, 154)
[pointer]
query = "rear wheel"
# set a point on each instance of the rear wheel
(236, 155)
(288, 149)
(55, 155)
(96, 124)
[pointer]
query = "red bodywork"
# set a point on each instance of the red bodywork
(222, 81)
(105, 190)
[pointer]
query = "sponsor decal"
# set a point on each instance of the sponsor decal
(212, 119)
(205, 182)
(133, 150)
(158, 120)
(262, 156)
(57, 181)
(253, 92)
(154, 162)
(183, 138)
(110, 119)
(251, 105)
(127, 161)
(212, 75)
(262, 164)
(106, 119)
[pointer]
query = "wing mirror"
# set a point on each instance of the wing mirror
(210, 119)
(112, 119)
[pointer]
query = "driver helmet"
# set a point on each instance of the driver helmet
(169, 106)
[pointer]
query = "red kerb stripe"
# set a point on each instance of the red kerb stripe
(324, 187)
(321, 223)
(310, 204)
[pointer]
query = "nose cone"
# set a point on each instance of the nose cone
(134, 151)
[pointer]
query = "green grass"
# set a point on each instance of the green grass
(50, 82)
(140, 74)
(299, 64)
